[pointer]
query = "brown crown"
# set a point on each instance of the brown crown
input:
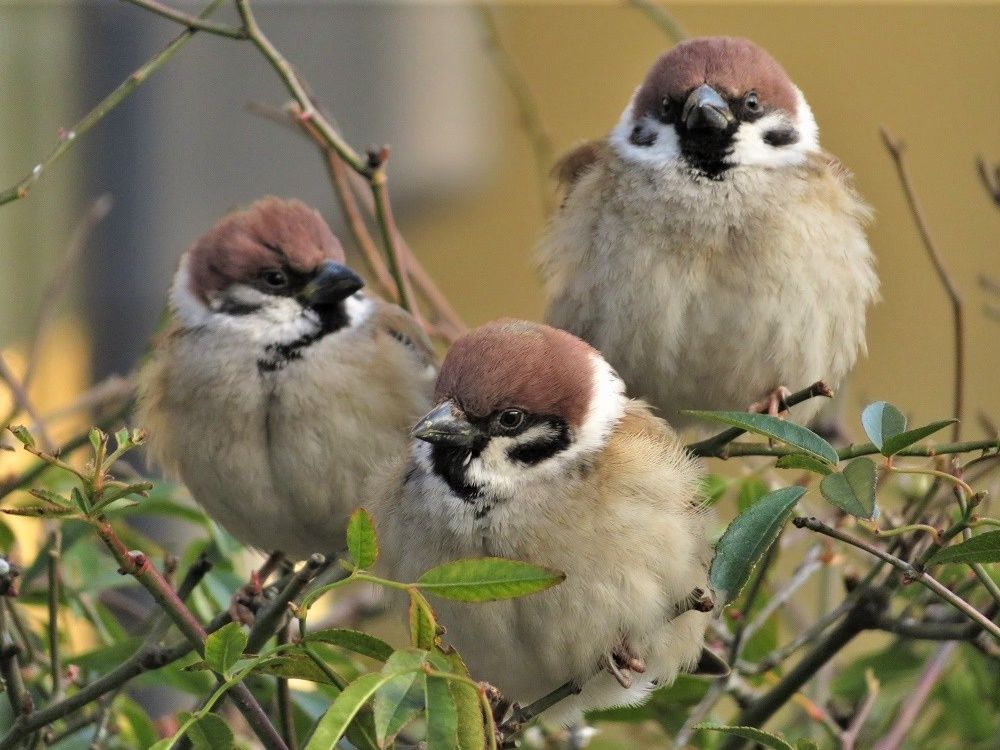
(513, 363)
(730, 65)
(270, 233)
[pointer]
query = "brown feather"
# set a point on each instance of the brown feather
(571, 166)
(269, 233)
(512, 363)
(730, 65)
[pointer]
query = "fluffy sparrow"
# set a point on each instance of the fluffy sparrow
(279, 384)
(534, 453)
(707, 246)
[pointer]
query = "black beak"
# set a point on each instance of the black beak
(446, 425)
(331, 283)
(705, 109)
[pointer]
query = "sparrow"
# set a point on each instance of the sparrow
(707, 246)
(534, 453)
(278, 384)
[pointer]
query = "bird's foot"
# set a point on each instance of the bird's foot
(773, 403)
(622, 662)
(248, 598)
(698, 600)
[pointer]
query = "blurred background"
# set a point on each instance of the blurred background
(464, 174)
(183, 149)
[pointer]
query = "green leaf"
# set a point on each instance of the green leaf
(23, 435)
(7, 538)
(903, 440)
(747, 539)
(293, 665)
(352, 640)
(984, 548)
(361, 541)
(882, 420)
(96, 437)
(224, 647)
(140, 731)
(423, 627)
(853, 489)
(442, 716)
(805, 744)
(750, 733)
(752, 489)
(51, 497)
(803, 461)
(345, 707)
(210, 733)
(471, 727)
(401, 699)
(486, 579)
(772, 427)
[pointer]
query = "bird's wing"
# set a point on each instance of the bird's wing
(574, 163)
(401, 326)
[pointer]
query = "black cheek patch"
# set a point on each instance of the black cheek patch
(640, 136)
(781, 137)
(533, 453)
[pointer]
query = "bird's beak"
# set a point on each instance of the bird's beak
(331, 283)
(446, 425)
(705, 109)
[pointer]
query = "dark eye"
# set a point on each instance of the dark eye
(666, 110)
(275, 279)
(510, 419)
(751, 103)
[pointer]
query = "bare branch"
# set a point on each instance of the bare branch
(915, 701)
(896, 148)
(193, 23)
(659, 15)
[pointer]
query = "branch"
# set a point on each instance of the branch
(527, 104)
(55, 551)
(990, 181)
(912, 573)
(268, 621)
(194, 23)
(914, 703)
(896, 148)
(715, 445)
(853, 451)
(112, 100)
(850, 736)
(668, 25)
(138, 566)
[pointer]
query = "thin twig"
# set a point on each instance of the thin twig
(698, 713)
(991, 181)
(192, 22)
(23, 187)
(850, 735)
(527, 105)
(915, 701)
(268, 621)
(59, 283)
(810, 564)
(21, 703)
(716, 445)
(912, 573)
(55, 667)
(286, 716)
(896, 149)
(22, 402)
(734, 450)
(139, 567)
(658, 15)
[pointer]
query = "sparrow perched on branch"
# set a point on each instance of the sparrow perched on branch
(534, 453)
(279, 384)
(707, 246)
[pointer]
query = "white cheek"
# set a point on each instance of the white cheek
(750, 149)
(190, 310)
(665, 151)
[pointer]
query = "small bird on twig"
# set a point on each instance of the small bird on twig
(279, 384)
(707, 246)
(534, 453)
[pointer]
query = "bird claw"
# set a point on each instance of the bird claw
(698, 600)
(773, 404)
(622, 662)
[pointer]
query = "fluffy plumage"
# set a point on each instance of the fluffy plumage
(274, 406)
(614, 507)
(707, 247)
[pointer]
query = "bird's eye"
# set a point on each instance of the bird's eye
(666, 110)
(510, 419)
(275, 279)
(751, 103)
